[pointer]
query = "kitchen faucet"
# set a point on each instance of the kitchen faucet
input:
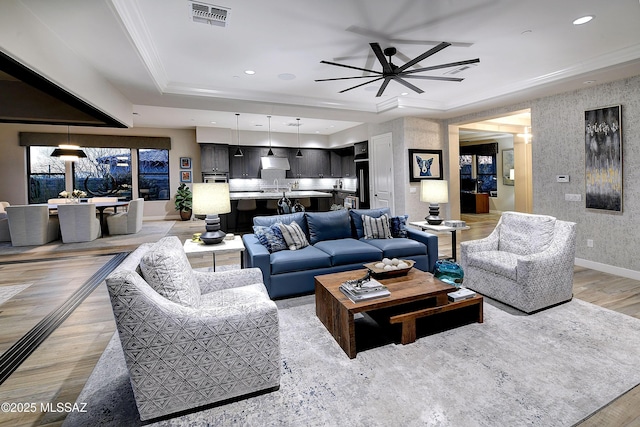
(275, 183)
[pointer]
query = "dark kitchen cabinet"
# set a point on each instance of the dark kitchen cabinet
(214, 158)
(314, 163)
(247, 166)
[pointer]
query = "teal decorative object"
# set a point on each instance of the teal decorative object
(449, 272)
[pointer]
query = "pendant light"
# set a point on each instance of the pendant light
(67, 151)
(270, 153)
(299, 153)
(238, 152)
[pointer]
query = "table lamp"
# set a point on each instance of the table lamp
(211, 199)
(434, 192)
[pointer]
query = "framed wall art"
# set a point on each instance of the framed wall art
(185, 176)
(185, 162)
(425, 164)
(603, 158)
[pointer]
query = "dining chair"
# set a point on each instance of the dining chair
(129, 222)
(78, 222)
(31, 225)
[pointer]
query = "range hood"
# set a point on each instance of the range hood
(273, 162)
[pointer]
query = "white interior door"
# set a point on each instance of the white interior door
(381, 171)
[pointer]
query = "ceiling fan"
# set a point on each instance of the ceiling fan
(390, 71)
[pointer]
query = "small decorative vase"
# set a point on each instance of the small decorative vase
(284, 205)
(297, 206)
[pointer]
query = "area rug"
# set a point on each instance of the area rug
(151, 231)
(8, 292)
(553, 368)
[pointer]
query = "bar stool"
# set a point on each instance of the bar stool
(244, 205)
(272, 204)
(306, 202)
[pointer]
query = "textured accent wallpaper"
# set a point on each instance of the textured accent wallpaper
(557, 124)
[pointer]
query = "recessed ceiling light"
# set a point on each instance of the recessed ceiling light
(213, 123)
(249, 72)
(404, 93)
(583, 20)
(589, 82)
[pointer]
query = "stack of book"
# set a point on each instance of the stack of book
(461, 294)
(369, 290)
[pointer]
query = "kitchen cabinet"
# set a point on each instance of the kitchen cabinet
(247, 166)
(336, 164)
(361, 150)
(214, 158)
(348, 166)
(314, 163)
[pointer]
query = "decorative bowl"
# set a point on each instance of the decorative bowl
(380, 273)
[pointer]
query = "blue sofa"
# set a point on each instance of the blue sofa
(336, 244)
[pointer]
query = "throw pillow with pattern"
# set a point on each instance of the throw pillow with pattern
(270, 237)
(399, 226)
(294, 236)
(376, 228)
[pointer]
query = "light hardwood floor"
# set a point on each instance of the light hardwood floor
(58, 369)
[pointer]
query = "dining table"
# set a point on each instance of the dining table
(100, 207)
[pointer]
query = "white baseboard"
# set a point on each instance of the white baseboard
(606, 268)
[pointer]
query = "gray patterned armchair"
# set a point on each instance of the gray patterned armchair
(192, 338)
(526, 262)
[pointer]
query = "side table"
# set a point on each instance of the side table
(425, 226)
(226, 246)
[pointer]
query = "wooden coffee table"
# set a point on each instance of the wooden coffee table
(413, 296)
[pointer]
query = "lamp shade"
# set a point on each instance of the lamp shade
(211, 198)
(434, 191)
(68, 152)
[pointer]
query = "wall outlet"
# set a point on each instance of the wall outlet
(562, 178)
(589, 243)
(413, 190)
(573, 197)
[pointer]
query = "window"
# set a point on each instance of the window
(105, 172)
(478, 168)
(153, 174)
(45, 174)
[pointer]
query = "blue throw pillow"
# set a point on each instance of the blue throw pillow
(399, 226)
(270, 237)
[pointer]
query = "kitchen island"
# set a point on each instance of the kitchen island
(242, 221)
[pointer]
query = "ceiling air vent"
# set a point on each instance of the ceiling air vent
(209, 14)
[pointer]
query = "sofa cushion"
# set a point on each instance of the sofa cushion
(398, 247)
(399, 226)
(499, 262)
(166, 269)
(307, 258)
(376, 228)
(356, 219)
(294, 236)
(297, 217)
(349, 251)
(328, 225)
(270, 237)
(525, 234)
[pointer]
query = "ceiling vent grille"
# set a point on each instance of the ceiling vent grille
(204, 13)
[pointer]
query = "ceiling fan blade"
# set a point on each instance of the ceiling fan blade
(407, 84)
(383, 87)
(386, 67)
(343, 78)
(444, 79)
(427, 42)
(362, 84)
(350, 66)
(450, 64)
(424, 56)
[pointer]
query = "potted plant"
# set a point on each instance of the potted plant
(183, 202)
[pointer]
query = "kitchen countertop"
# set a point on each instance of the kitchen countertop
(295, 194)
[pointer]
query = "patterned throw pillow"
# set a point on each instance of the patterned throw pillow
(294, 236)
(376, 228)
(270, 237)
(167, 270)
(399, 226)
